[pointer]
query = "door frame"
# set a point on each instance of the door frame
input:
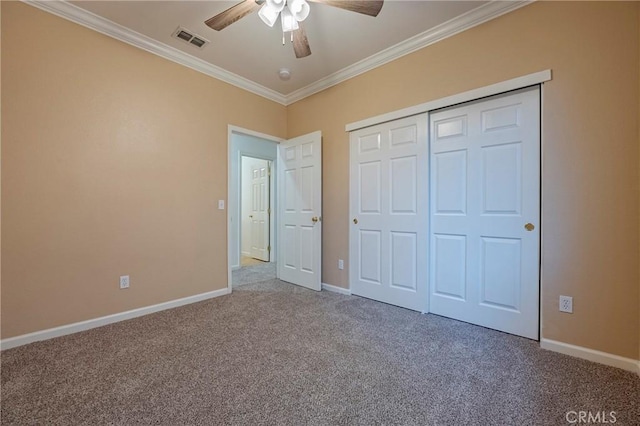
(231, 131)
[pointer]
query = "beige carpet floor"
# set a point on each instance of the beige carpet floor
(261, 271)
(276, 354)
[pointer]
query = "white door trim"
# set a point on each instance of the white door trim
(471, 95)
(230, 131)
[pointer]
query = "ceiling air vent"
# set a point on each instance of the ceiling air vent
(189, 37)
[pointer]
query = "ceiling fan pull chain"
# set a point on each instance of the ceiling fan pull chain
(283, 38)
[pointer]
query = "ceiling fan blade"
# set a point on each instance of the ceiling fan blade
(231, 15)
(367, 7)
(301, 43)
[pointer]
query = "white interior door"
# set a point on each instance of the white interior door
(259, 215)
(485, 204)
(300, 210)
(388, 202)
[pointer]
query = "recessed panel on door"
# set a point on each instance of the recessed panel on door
(502, 179)
(450, 127)
(307, 189)
(307, 150)
(370, 248)
(290, 247)
(370, 187)
(290, 188)
(290, 154)
(450, 189)
(403, 260)
(450, 266)
(369, 143)
(502, 118)
(404, 185)
(306, 252)
(500, 274)
(255, 194)
(404, 135)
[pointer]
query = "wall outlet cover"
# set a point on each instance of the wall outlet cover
(566, 304)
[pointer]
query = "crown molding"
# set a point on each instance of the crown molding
(468, 20)
(92, 21)
(474, 17)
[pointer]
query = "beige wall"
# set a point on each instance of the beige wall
(0, 169)
(113, 160)
(590, 229)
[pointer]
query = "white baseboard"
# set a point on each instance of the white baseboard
(336, 289)
(612, 360)
(63, 330)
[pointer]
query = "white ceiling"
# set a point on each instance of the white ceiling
(338, 38)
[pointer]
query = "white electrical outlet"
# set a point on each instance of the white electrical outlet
(220, 204)
(124, 281)
(566, 304)
(340, 264)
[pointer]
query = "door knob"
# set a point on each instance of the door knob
(314, 219)
(251, 216)
(355, 221)
(529, 227)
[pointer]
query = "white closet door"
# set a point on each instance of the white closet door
(300, 207)
(485, 204)
(388, 202)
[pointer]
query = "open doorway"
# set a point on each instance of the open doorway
(255, 211)
(252, 198)
(295, 203)
(256, 263)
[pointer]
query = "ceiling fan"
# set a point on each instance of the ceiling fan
(292, 13)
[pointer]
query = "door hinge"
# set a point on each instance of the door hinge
(268, 211)
(269, 249)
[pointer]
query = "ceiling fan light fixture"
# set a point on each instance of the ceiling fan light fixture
(276, 5)
(299, 9)
(289, 22)
(268, 15)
